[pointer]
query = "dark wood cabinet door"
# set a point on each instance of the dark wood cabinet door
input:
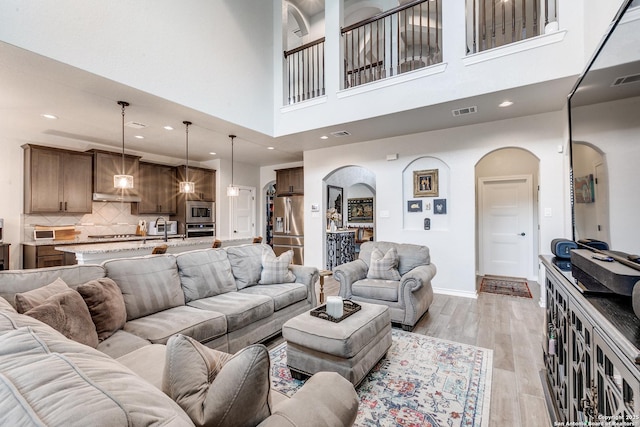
(158, 189)
(289, 181)
(204, 180)
(106, 165)
(78, 169)
(46, 189)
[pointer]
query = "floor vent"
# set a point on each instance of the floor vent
(340, 133)
(464, 111)
(625, 80)
(136, 125)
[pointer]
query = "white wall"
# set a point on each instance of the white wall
(213, 56)
(452, 250)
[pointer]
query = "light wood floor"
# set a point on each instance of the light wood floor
(513, 328)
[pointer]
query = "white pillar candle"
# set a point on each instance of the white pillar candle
(334, 306)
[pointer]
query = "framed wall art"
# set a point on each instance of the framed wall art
(440, 206)
(583, 189)
(425, 183)
(414, 205)
(360, 210)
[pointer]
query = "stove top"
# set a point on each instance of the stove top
(113, 236)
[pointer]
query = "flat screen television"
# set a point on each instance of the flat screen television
(604, 130)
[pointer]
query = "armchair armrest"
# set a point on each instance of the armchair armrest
(349, 273)
(326, 399)
(414, 279)
(415, 293)
(308, 276)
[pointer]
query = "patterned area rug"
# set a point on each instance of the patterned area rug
(505, 286)
(423, 381)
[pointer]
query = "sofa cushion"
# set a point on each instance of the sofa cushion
(67, 313)
(149, 284)
(25, 301)
(5, 305)
(205, 273)
(106, 305)
(283, 294)
(376, 289)
(16, 281)
(203, 325)
(240, 309)
(215, 389)
(384, 265)
(73, 384)
(246, 263)
(121, 343)
(276, 269)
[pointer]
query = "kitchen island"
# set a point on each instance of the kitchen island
(99, 252)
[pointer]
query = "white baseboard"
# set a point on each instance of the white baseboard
(464, 294)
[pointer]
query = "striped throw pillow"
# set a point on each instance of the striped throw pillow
(275, 270)
(384, 266)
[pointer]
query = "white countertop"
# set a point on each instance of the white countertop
(99, 248)
(95, 240)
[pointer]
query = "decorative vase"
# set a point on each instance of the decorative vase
(332, 226)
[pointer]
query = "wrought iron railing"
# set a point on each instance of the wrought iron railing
(500, 22)
(305, 71)
(402, 39)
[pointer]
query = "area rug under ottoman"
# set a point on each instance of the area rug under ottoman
(423, 381)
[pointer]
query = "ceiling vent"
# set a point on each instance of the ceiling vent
(135, 125)
(625, 80)
(340, 133)
(464, 111)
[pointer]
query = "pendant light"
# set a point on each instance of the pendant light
(123, 181)
(232, 190)
(187, 186)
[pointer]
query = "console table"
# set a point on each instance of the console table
(591, 353)
(340, 247)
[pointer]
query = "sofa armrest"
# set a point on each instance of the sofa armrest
(349, 273)
(325, 400)
(308, 276)
(415, 279)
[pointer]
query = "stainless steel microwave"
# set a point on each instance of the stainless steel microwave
(199, 212)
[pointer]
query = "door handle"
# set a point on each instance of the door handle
(522, 234)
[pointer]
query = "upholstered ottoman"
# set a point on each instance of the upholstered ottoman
(350, 347)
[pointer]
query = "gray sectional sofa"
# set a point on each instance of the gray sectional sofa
(150, 315)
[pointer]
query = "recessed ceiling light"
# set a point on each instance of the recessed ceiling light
(270, 148)
(505, 104)
(168, 127)
(49, 116)
(212, 153)
(324, 137)
(139, 137)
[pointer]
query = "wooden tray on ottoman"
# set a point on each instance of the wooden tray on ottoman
(348, 308)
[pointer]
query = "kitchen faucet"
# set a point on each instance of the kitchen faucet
(164, 221)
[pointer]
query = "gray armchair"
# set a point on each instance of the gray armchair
(408, 295)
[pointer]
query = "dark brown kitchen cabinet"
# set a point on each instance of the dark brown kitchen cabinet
(42, 256)
(56, 181)
(158, 189)
(204, 180)
(106, 165)
(289, 181)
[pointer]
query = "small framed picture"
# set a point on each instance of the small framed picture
(414, 205)
(425, 183)
(440, 206)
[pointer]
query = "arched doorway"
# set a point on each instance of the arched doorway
(507, 238)
(357, 187)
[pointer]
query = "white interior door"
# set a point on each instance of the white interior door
(506, 226)
(243, 213)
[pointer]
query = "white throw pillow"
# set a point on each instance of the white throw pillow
(384, 266)
(275, 270)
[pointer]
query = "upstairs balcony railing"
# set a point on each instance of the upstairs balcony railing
(305, 71)
(497, 23)
(402, 39)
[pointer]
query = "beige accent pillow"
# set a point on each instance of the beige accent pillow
(275, 270)
(216, 388)
(384, 266)
(106, 306)
(67, 313)
(25, 301)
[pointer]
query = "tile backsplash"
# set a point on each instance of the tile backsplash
(106, 218)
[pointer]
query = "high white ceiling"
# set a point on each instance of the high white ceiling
(88, 116)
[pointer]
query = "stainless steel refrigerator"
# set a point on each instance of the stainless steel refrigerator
(288, 227)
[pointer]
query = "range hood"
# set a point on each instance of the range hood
(105, 197)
